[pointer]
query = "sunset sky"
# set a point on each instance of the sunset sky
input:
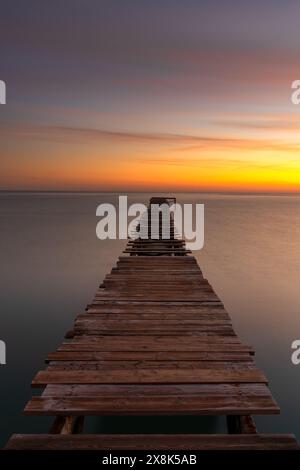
(150, 95)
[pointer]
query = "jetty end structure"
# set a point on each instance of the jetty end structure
(155, 340)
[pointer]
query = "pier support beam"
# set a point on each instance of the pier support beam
(240, 424)
(67, 425)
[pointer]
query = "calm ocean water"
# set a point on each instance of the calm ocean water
(52, 262)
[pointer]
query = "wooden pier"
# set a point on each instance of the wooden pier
(156, 340)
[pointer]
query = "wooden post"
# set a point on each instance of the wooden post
(67, 425)
(237, 424)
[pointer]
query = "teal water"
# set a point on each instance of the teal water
(52, 263)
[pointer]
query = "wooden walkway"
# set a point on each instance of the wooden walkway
(156, 340)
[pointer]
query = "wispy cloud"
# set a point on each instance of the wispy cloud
(179, 142)
(230, 163)
(282, 123)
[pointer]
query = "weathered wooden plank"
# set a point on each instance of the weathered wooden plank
(213, 375)
(135, 279)
(117, 296)
(246, 390)
(201, 332)
(189, 289)
(152, 261)
(154, 286)
(120, 276)
(101, 325)
(114, 314)
(156, 282)
(167, 312)
(150, 306)
(160, 333)
(165, 319)
(137, 320)
(163, 343)
(148, 266)
(156, 302)
(158, 268)
(110, 365)
(154, 405)
(143, 259)
(169, 356)
(156, 251)
(156, 293)
(131, 346)
(180, 442)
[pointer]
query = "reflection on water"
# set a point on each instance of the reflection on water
(52, 262)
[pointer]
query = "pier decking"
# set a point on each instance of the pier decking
(156, 340)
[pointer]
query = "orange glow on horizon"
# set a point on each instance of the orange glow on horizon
(184, 163)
